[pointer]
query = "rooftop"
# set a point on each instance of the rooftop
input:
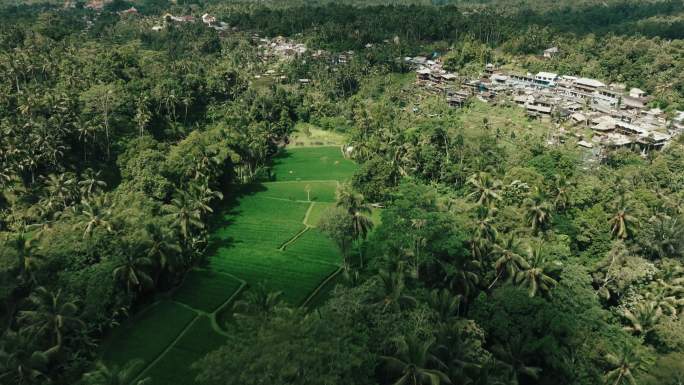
(550, 75)
(589, 82)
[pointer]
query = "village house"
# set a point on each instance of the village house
(546, 76)
(588, 85)
(208, 20)
(129, 11)
(637, 93)
(97, 5)
(178, 19)
(423, 74)
(629, 102)
(458, 98)
(545, 79)
(551, 52)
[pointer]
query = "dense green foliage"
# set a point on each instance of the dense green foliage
(131, 157)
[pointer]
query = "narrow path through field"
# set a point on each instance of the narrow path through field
(294, 238)
(168, 348)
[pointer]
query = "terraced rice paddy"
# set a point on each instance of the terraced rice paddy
(206, 290)
(268, 236)
(317, 212)
(311, 191)
(197, 341)
(147, 335)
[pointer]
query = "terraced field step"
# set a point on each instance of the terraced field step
(206, 290)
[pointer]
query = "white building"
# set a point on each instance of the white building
(637, 93)
(208, 20)
(551, 52)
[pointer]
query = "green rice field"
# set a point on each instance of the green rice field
(206, 290)
(199, 339)
(313, 191)
(315, 246)
(267, 235)
(313, 163)
(148, 334)
(318, 210)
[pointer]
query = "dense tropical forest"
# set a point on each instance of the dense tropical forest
(169, 214)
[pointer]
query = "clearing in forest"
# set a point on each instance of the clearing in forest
(265, 235)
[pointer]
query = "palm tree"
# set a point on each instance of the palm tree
(666, 292)
(643, 318)
(132, 270)
(537, 210)
(115, 375)
(534, 274)
(97, 213)
(489, 373)
(626, 363)
(484, 223)
(391, 294)
(50, 315)
(622, 223)
(258, 302)
(60, 188)
(418, 243)
(91, 184)
(28, 259)
(485, 233)
(561, 193)
(412, 360)
(358, 211)
(510, 260)
(462, 274)
(453, 347)
(19, 363)
(670, 236)
(510, 354)
(485, 190)
(162, 246)
(444, 303)
(185, 214)
(202, 196)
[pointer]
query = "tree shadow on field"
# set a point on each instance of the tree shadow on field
(276, 161)
(224, 214)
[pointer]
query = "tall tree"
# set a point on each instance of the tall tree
(413, 361)
(358, 213)
(537, 210)
(163, 247)
(625, 364)
(90, 183)
(622, 224)
(132, 270)
(50, 316)
(184, 214)
(96, 213)
(534, 273)
(509, 259)
(484, 189)
(258, 302)
(20, 363)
